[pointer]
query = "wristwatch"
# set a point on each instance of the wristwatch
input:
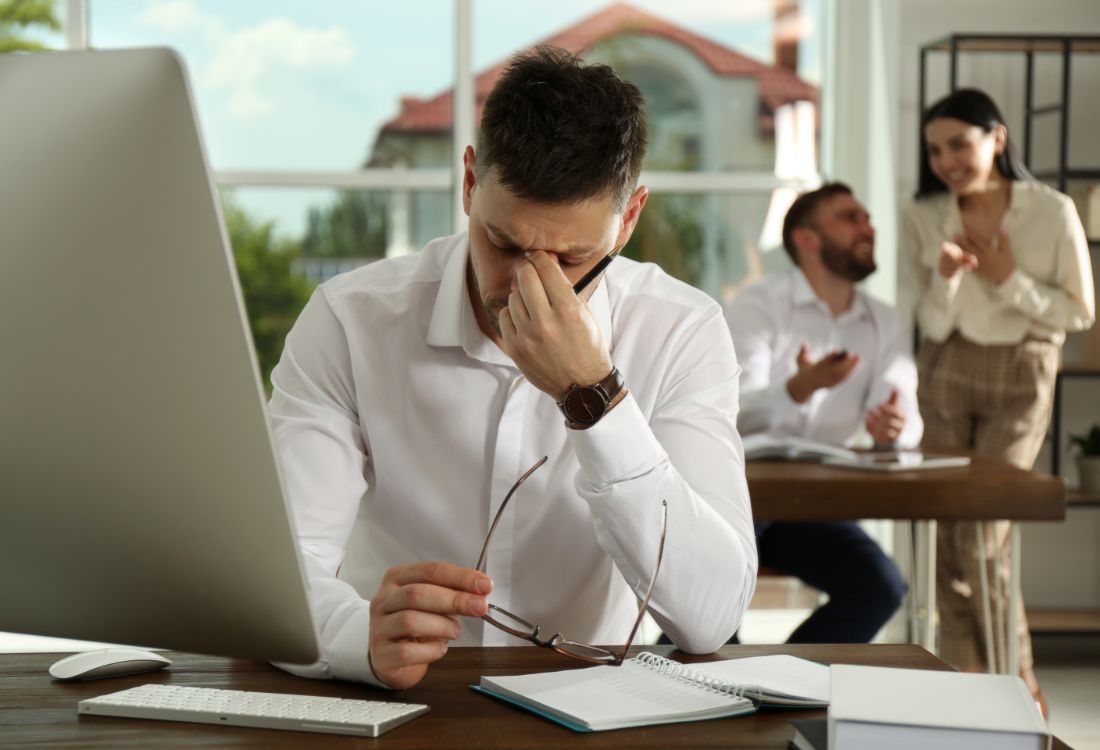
(584, 405)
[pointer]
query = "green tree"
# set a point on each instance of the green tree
(16, 16)
(354, 226)
(670, 234)
(273, 293)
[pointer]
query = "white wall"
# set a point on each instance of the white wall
(1001, 75)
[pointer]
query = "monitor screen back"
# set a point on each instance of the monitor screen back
(140, 500)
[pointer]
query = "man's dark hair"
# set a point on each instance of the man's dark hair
(556, 130)
(802, 212)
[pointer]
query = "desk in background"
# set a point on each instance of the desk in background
(986, 490)
(36, 711)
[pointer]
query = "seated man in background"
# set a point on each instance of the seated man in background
(820, 360)
(413, 392)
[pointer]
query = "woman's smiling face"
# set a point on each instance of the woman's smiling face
(964, 156)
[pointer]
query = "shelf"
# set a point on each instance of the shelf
(1077, 499)
(1079, 371)
(1009, 43)
(1064, 620)
(1071, 174)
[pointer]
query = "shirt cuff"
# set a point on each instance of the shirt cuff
(348, 653)
(946, 289)
(779, 396)
(1015, 288)
(620, 446)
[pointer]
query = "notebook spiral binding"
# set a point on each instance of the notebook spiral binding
(683, 672)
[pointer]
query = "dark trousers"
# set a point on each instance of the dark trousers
(864, 586)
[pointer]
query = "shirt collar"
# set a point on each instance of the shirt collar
(801, 291)
(1022, 193)
(803, 294)
(453, 322)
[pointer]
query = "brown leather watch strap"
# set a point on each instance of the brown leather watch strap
(584, 405)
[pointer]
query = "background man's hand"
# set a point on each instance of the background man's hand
(549, 332)
(954, 259)
(886, 421)
(830, 370)
(415, 614)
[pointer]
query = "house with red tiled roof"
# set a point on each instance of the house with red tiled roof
(710, 107)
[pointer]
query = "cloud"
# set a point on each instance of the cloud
(245, 59)
(244, 62)
(730, 11)
(716, 12)
(180, 17)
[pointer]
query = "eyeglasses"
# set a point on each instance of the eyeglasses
(520, 628)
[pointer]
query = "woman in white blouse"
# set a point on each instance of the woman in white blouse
(1000, 270)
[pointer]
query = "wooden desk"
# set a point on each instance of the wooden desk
(984, 490)
(36, 711)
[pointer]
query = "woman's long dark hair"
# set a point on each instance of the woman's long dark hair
(974, 107)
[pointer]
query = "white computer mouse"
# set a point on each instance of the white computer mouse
(107, 662)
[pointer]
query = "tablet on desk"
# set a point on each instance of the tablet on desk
(901, 460)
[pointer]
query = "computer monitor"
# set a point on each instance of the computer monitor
(140, 499)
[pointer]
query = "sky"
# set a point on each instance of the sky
(289, 84)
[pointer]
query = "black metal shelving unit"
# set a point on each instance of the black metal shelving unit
(1029, 45)
(1066, 373)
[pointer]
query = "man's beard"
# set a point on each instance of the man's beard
(491, 307)
(844, 262)
(493, 314)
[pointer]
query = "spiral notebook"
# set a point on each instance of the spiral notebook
(650, 689)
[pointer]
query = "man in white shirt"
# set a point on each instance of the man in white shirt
(821, 359)
(412, 393)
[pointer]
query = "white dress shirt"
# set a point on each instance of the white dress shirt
(771, 319)
(1050, 291)
(400, 427)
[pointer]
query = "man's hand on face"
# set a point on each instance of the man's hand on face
(830, 370)
(415, 614)
(886, 421)
(549, 332)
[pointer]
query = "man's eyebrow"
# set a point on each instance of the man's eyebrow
(501, 234)
(573, 251)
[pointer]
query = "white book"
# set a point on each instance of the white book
(651, 689)
(762, 446)
(898, 460)
(913, 709)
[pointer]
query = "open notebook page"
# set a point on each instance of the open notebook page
(778, 676)
(611, 697)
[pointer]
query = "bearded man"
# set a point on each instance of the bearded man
(821, 359)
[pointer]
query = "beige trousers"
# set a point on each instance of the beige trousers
(996, 401)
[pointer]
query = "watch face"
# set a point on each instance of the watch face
(584, 405)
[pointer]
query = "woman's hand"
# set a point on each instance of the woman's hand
(953, 259)
(994, 260)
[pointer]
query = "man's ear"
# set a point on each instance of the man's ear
(631, 214)
(806, 242)
(469, 178)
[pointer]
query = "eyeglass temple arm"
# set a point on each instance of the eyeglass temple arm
(500, 511)
(652, 581)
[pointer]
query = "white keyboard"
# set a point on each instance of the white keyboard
(244, 708)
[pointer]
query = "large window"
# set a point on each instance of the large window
(336, 127)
